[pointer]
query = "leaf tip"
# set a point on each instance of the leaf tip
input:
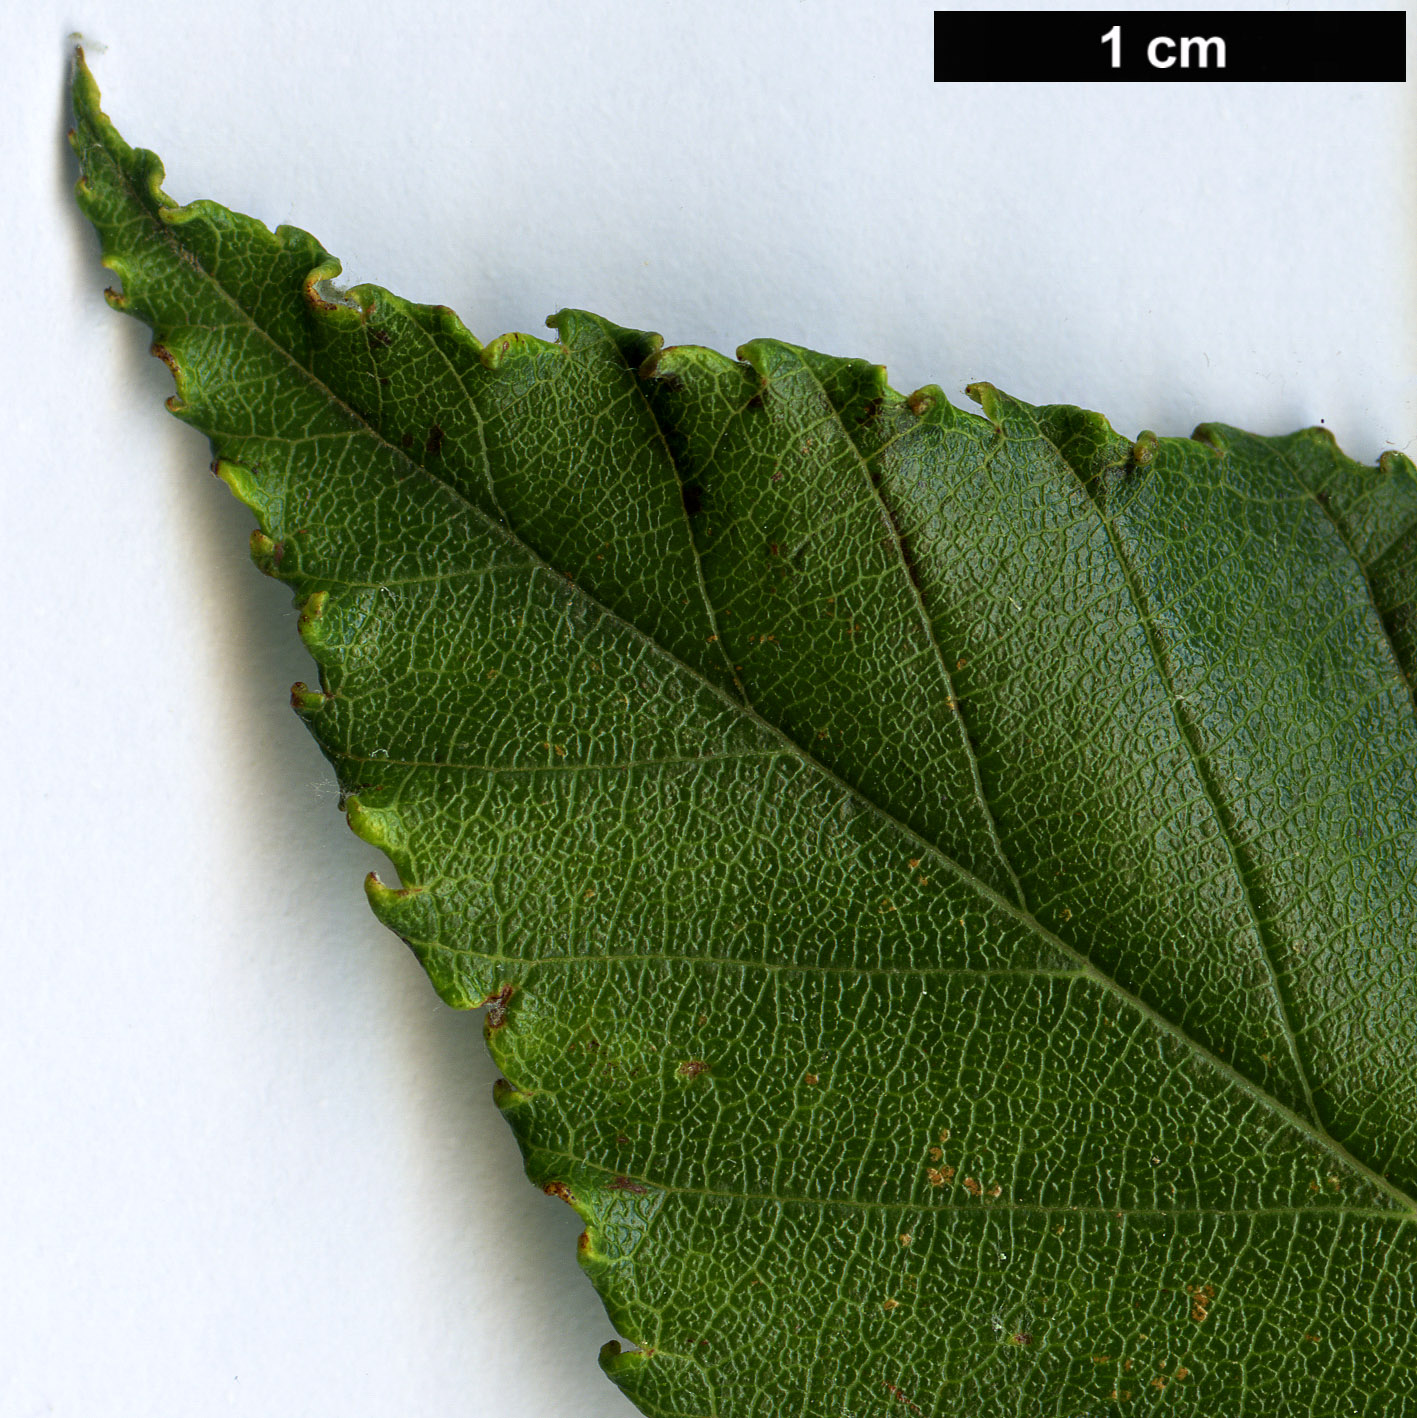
(84, 93)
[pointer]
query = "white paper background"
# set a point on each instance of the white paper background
(247, 1162)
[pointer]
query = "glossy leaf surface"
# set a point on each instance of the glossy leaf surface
(944, 884)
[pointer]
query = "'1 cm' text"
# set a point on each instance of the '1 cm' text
(1162, 51)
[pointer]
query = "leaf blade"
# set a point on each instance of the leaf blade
(414, 588)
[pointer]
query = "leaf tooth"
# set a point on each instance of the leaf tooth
(511, 348)
(304, 700)
(507, 1095)
(245, 488)
(1393, 462)
(327, 303)
(310, 625)
(403, 909)
(931, 406)
(677, 365)
(1213, 435)
(1015, 419)
(409, 909)
(657, 1381)
(266, 554)
(763, 357)
(112, 261)
(382, 896)
(579, 328)
(378, 304)
(988, 397)
(621, 1363)
(159, 349)
(381, 827)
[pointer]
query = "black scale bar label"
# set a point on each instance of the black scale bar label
(1175, 46)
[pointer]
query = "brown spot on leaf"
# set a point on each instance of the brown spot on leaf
(561, 1190)
(1201, 1297)
(899, 1396)
(380, 337)
(692, 1068)
(973, 1187)
(434, 445)
(624, 1184)
(497, 1007)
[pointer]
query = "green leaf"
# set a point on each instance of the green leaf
(944, 885)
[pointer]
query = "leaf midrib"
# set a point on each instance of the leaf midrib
(982, 888)
(1027, 1208)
